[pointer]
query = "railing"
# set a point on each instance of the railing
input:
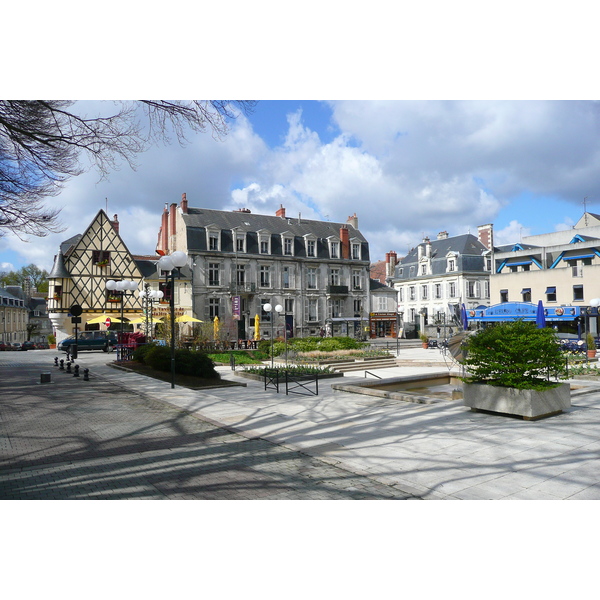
(338, 290)
(374, 374)
(293, 383)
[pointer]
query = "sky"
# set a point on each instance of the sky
(408, 169)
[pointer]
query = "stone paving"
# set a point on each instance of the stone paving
(71, 439)
(138, 438)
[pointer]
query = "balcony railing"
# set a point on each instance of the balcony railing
(242, 288)
(337, 290)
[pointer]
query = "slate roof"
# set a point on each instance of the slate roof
(376, 286)
(198, 219)
(469, 250)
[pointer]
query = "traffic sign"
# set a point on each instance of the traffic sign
(107, 322)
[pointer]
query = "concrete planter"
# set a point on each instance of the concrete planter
(529, 404)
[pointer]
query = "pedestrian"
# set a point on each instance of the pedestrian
(438, 332)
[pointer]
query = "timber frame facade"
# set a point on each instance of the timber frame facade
(81, 269)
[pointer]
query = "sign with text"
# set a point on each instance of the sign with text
(236, 306)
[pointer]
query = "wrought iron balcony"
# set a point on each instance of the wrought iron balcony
(337, 290)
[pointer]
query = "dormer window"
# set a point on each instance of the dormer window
(355, 251)
(214, 239)
(334, 249)
(311, 248)
(288, 246)
(264, 243)
(240, 241)
(424, 269)
(451, 265)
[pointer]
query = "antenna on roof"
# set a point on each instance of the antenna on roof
(106, 205)
(585, 210)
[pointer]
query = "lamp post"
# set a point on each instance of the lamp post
(148, 297)
(169, 263)
(269, 308)
(121, 286)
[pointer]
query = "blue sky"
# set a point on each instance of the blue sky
(407, 168)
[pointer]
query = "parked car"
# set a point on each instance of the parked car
(90, 340)
(28, 345)
(18, 346)
(5, 346)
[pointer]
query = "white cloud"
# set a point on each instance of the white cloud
(511, 234)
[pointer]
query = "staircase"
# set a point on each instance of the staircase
(363, 365)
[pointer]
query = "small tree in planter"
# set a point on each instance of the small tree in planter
(507, 358)
(591, 345)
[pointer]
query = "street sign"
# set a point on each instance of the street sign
(76, 310)
(75, 320)
(107, 322)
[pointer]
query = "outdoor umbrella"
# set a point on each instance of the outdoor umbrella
(257, 327)
(216, 327)
(142, 319)
(463, 317)
(455, 345)
(186, 319)
(103, 318)
(540, 317)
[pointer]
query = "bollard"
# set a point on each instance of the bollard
(69, 367)
(62, 364)
(76, 371)
(45, 378)
(56, 361)
(86, 374)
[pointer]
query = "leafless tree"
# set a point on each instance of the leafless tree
(43, 142)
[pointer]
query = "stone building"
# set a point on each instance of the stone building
(14, 314)
(317, 271)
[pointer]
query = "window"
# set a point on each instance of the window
(357, 307)
(452, 289)
(401, 295)
(578, 292)
(356, 280)
(576, 268)
(424, 292)
(288, 305)
(313, 312)
(264, 315)
(355, 251)
(472, 289)
(335, 308)
(551, 294)
(240, 244)
(382, 304)
(311, 278)
(486, 288)
(334, 277)
(264, 244)
(488, 264)
(423, 269)
(451, 264)
(240, 274)
(334, 249)
(213, 240)
(287, 246)
(213, 307)
(411, 291)
(503, 295)
(310, 248)
(101, 258)
(287, 277)
(265, 276)
(213, 273)
(526, 293)
(438, 290)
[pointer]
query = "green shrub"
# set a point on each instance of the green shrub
(139, 354)
(514, 354)
(187, 362)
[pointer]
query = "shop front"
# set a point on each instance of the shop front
(383, 324)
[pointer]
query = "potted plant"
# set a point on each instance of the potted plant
(424, 339)
(52, 341)
(509, 367)
(591, 345)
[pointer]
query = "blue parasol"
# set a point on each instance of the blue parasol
(540, 316)
(463, 317)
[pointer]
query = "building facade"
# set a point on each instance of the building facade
(14, 314)
(81, 270)
(437, 276)
(317, 271)
(383, 315)
(562, 269)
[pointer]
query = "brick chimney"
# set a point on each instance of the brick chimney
(485, 234)
(391, 260)
(345, 241)
(163, 235)
(280, 212)
(115, 223)
(172, 216)
(442, 235)
(184, 204)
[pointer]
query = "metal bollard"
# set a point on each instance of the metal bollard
(45, 378)
(56, 361)
(86, 374)
(76, 371)
(62, 364)
(69, 367)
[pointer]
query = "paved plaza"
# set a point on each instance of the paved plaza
(122, 435)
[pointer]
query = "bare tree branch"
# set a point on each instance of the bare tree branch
(42, 142)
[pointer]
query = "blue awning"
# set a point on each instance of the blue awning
(526, 291)
(517, 264)
(551, 290)
(578, 256)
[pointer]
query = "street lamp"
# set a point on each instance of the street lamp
(169, 263)
(269, 308)
(121, 287)
(148, 297)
